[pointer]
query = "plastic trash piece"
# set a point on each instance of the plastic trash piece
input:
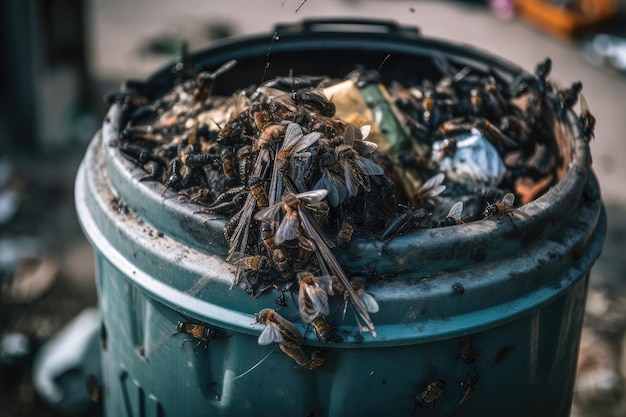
(65, 363)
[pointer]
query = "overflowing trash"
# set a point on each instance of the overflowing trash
(301, 165)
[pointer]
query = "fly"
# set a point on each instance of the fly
(504, 207)
(200, 332)
(430, 394)
(288, 227)
(313, 295)
(454, 215)
(586, 120)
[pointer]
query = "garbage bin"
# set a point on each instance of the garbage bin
(490, 312)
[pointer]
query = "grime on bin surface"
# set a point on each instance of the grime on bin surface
(299, 165)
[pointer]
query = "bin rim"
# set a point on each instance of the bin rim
(443, 249)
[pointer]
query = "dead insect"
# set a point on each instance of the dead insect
(430, 108)
(277, 329)
(140, 155)
(346, 231)
(402, 223)
(294, 142)
(502, 354)
(231, 206)
(271, 134)
(296, 353)
(244, 160)
(313, 295)
(317, 358)
(201, 332)
(175, 178)
(504, 207)
(154, 172)
(94, 388)
(256, 263)
(586, 120)
(431, 188)
(326, 260)
(448, 148)
(494, 135)
(358, 286)
(468, 387)
(454, 216)
(279, 259)
(430, 394)
(205, 79)
(332, 179)
(356, 169)
(147, 133)
(229, 166)
(536, 83)
(467, 353)
(257, 189)
(495, 102)
(202, 159)
(566, 97)
(288, 228)
(324, 330)
(476, 100)
(315, 100)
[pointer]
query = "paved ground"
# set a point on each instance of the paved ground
(121, 35)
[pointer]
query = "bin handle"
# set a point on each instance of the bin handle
(345, 25)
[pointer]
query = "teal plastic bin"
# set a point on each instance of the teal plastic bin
(515, 295)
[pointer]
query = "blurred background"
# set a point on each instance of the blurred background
(63, 56)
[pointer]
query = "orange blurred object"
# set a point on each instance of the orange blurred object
(567, 21)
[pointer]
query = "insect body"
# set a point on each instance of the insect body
(454, 216)
(283, 332)
(288, 228)
(468, 387)
(200, 332)
(586, 120)
(277, 329)
(504, 207)
(325, 331)
(313, 295)
(466, 352)
(317, 358)
(257, 263)
(404, 222)
(430, 394)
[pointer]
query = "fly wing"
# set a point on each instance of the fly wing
(306, 308)
(269, 214)
(307, 140)
(329, 265)
(337, 191)
(365, 132)
(306, 218)
(369, 302)
(270, 334)
(369, 167)
(325, 282)
(456, 211)
(239, 240)
(521, 213)
(432, 182)
(293, 134)
(435, 191)
(287, 230)
(351, 182)
(318, 297)
(508, 199)
(312, 196)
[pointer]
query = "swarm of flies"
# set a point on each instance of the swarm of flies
(295, 183)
